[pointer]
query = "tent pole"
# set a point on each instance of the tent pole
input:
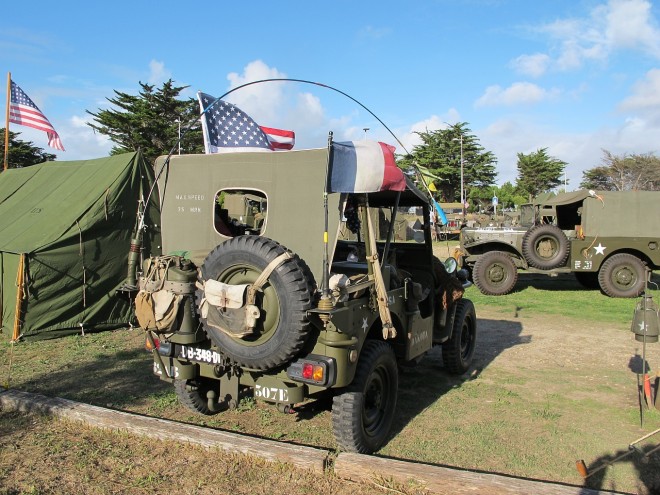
(19, 298)
(7, 120)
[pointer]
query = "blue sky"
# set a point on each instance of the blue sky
(572, 76)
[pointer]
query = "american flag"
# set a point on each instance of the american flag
(228, 128)
(23, 111)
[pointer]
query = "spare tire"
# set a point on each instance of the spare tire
(283, 301)
(545, 247)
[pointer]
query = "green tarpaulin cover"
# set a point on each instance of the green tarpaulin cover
(73, 221)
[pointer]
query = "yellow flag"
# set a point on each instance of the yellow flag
(432, 187)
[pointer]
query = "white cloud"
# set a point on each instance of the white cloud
(531, 65)
(630, 25)
(409, 137)
(612, 26)
(158, 74)
(516, 94)
(645, 97)
(264, 101)
(581, 151)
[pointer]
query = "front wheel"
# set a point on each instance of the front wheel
(622, 275)
(362, 414)
(495, 274)
(458, 351)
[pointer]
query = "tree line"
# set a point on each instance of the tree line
(153, 120)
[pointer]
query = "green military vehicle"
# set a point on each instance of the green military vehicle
(606, 239)
(315, 299)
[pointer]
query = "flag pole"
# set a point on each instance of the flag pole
(7, 120)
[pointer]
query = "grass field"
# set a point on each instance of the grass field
(554, 381)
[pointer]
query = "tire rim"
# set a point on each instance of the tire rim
(466, 338)
(267, 301)
(376, 398)
(624, 277)
(547, 248)
(497, 273)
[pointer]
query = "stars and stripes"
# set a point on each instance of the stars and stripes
(227, 128)
(279, 139)
(23, 111)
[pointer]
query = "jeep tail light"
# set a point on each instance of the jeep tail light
(315, 370)
(164, 348)
(152, 343)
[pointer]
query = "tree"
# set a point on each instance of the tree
(440, 152)
(23, 153)
(624, 173)
(150, 121)
(538, 172)
(508, 196)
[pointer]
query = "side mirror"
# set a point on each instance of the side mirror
(450, 265)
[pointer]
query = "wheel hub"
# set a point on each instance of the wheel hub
(496, 273)
(624, 277)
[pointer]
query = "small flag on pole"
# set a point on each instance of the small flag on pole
(23, 111)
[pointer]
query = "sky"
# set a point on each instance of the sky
(574, 76)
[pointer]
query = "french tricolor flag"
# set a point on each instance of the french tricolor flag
(363, 167)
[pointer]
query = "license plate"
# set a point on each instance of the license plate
(207, 356)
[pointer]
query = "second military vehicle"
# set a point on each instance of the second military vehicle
(316, 296)
(608, 240)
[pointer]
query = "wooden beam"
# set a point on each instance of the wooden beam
(440, 480)
(357, 467)
(270, 450)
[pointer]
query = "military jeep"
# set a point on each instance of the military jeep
(319, 297)
(607, 239)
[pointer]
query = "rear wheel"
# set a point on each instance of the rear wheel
(458, 351)
(622, 275)
(495, 274)
(194, 394)
(362, 414)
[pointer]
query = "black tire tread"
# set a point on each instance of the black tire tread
(347, 405)
(605, 272)
(480, 268)
(190, 396)
(452, 357)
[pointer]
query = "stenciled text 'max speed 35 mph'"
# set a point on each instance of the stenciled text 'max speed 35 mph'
(275, 285)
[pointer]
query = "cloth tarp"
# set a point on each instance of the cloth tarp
(73, 221)
(622, 214)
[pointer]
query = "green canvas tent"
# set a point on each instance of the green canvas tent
(65, 232)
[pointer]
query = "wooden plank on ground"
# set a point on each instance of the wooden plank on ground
(441, 480)
(302, 457)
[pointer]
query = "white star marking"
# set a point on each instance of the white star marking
(365, 326)
(600, 249)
